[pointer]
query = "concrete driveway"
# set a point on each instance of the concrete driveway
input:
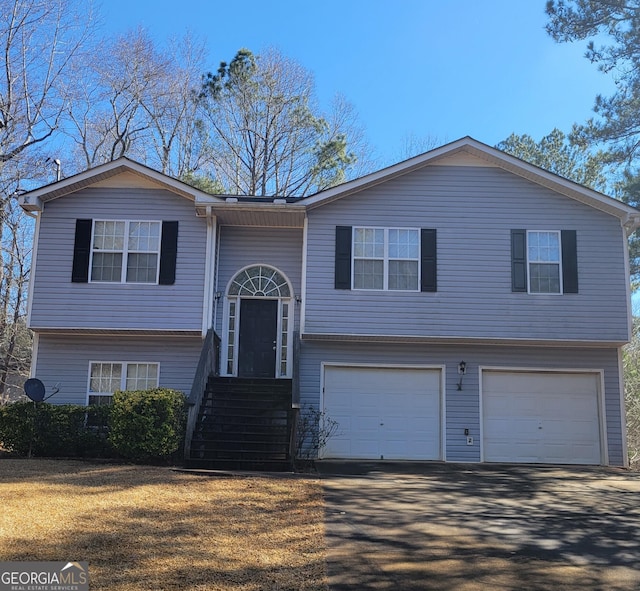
(470, 527)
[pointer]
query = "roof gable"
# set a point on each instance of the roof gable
(470, 152)
(117, 173)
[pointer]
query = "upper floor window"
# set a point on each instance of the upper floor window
(125, 251)
(544, 261)
(105, 378)
(386, 258)
(394, 259)
(543, 254)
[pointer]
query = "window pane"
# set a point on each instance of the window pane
(358, 242)
(368, 274)
(368, 242)
(545, 278)
(142, 376)
(403, 244)
(105, 377)
(144, 236)
(142, 268)
(377, 238)
(100, 400)
(403, 275)
(544, 247)
(259, 281)
(106, 266)
(108, 236)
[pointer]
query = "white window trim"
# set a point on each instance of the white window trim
(559, 263)
(123, 376)
(125, 252)
(385, 259)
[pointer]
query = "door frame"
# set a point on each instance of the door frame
(284, 338)
(602, 416)
(435, 367)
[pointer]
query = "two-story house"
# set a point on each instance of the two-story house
(462, 305)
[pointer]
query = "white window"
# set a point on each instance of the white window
(125, 251)
(544, 260)
(386, 258)
(106, 377)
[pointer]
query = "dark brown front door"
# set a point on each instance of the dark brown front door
(258, 336)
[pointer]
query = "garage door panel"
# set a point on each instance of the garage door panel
(390, 413)
(541, 417)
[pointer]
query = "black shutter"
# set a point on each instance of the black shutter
(428, 260)
(343, 257)
(81, 251)
(569, 262)
(519, 260)
(168, 253)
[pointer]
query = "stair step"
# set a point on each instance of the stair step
(260, 408)
(237, 421)
(280, 434)
(214, 449)
(243, 423)
(221, 464)
(279, 443)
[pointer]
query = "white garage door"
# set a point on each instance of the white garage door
(383, 413)
(541, 417)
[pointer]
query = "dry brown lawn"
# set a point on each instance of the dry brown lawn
(152, 528)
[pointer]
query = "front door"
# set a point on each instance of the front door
(258, 338)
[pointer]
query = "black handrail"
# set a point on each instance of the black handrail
(207, 365)
(295, 374)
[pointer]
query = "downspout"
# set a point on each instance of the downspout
(629, 225)
(303, 286)
(30, 284)
(209, 273)
(216, 302)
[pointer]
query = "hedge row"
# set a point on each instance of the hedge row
(142, 425)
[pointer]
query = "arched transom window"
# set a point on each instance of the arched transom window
(259, 281)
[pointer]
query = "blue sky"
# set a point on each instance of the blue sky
(439, 68)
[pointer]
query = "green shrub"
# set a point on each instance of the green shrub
(17, 426)
(147, 424)
(48, 430)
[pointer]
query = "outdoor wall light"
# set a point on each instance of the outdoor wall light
(218, 295)
(462, 369)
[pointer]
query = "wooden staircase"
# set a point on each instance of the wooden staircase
(244, 424)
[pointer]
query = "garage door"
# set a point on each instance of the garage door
(383, 413)
(541, 417)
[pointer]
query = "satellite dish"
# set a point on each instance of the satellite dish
(34, 389)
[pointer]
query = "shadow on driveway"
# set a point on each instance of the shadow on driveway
(469, 527)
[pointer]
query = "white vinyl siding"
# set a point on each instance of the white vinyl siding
(125, 251)
(386, 259)
(544, 262)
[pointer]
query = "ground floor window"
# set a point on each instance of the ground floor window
(105, 378)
